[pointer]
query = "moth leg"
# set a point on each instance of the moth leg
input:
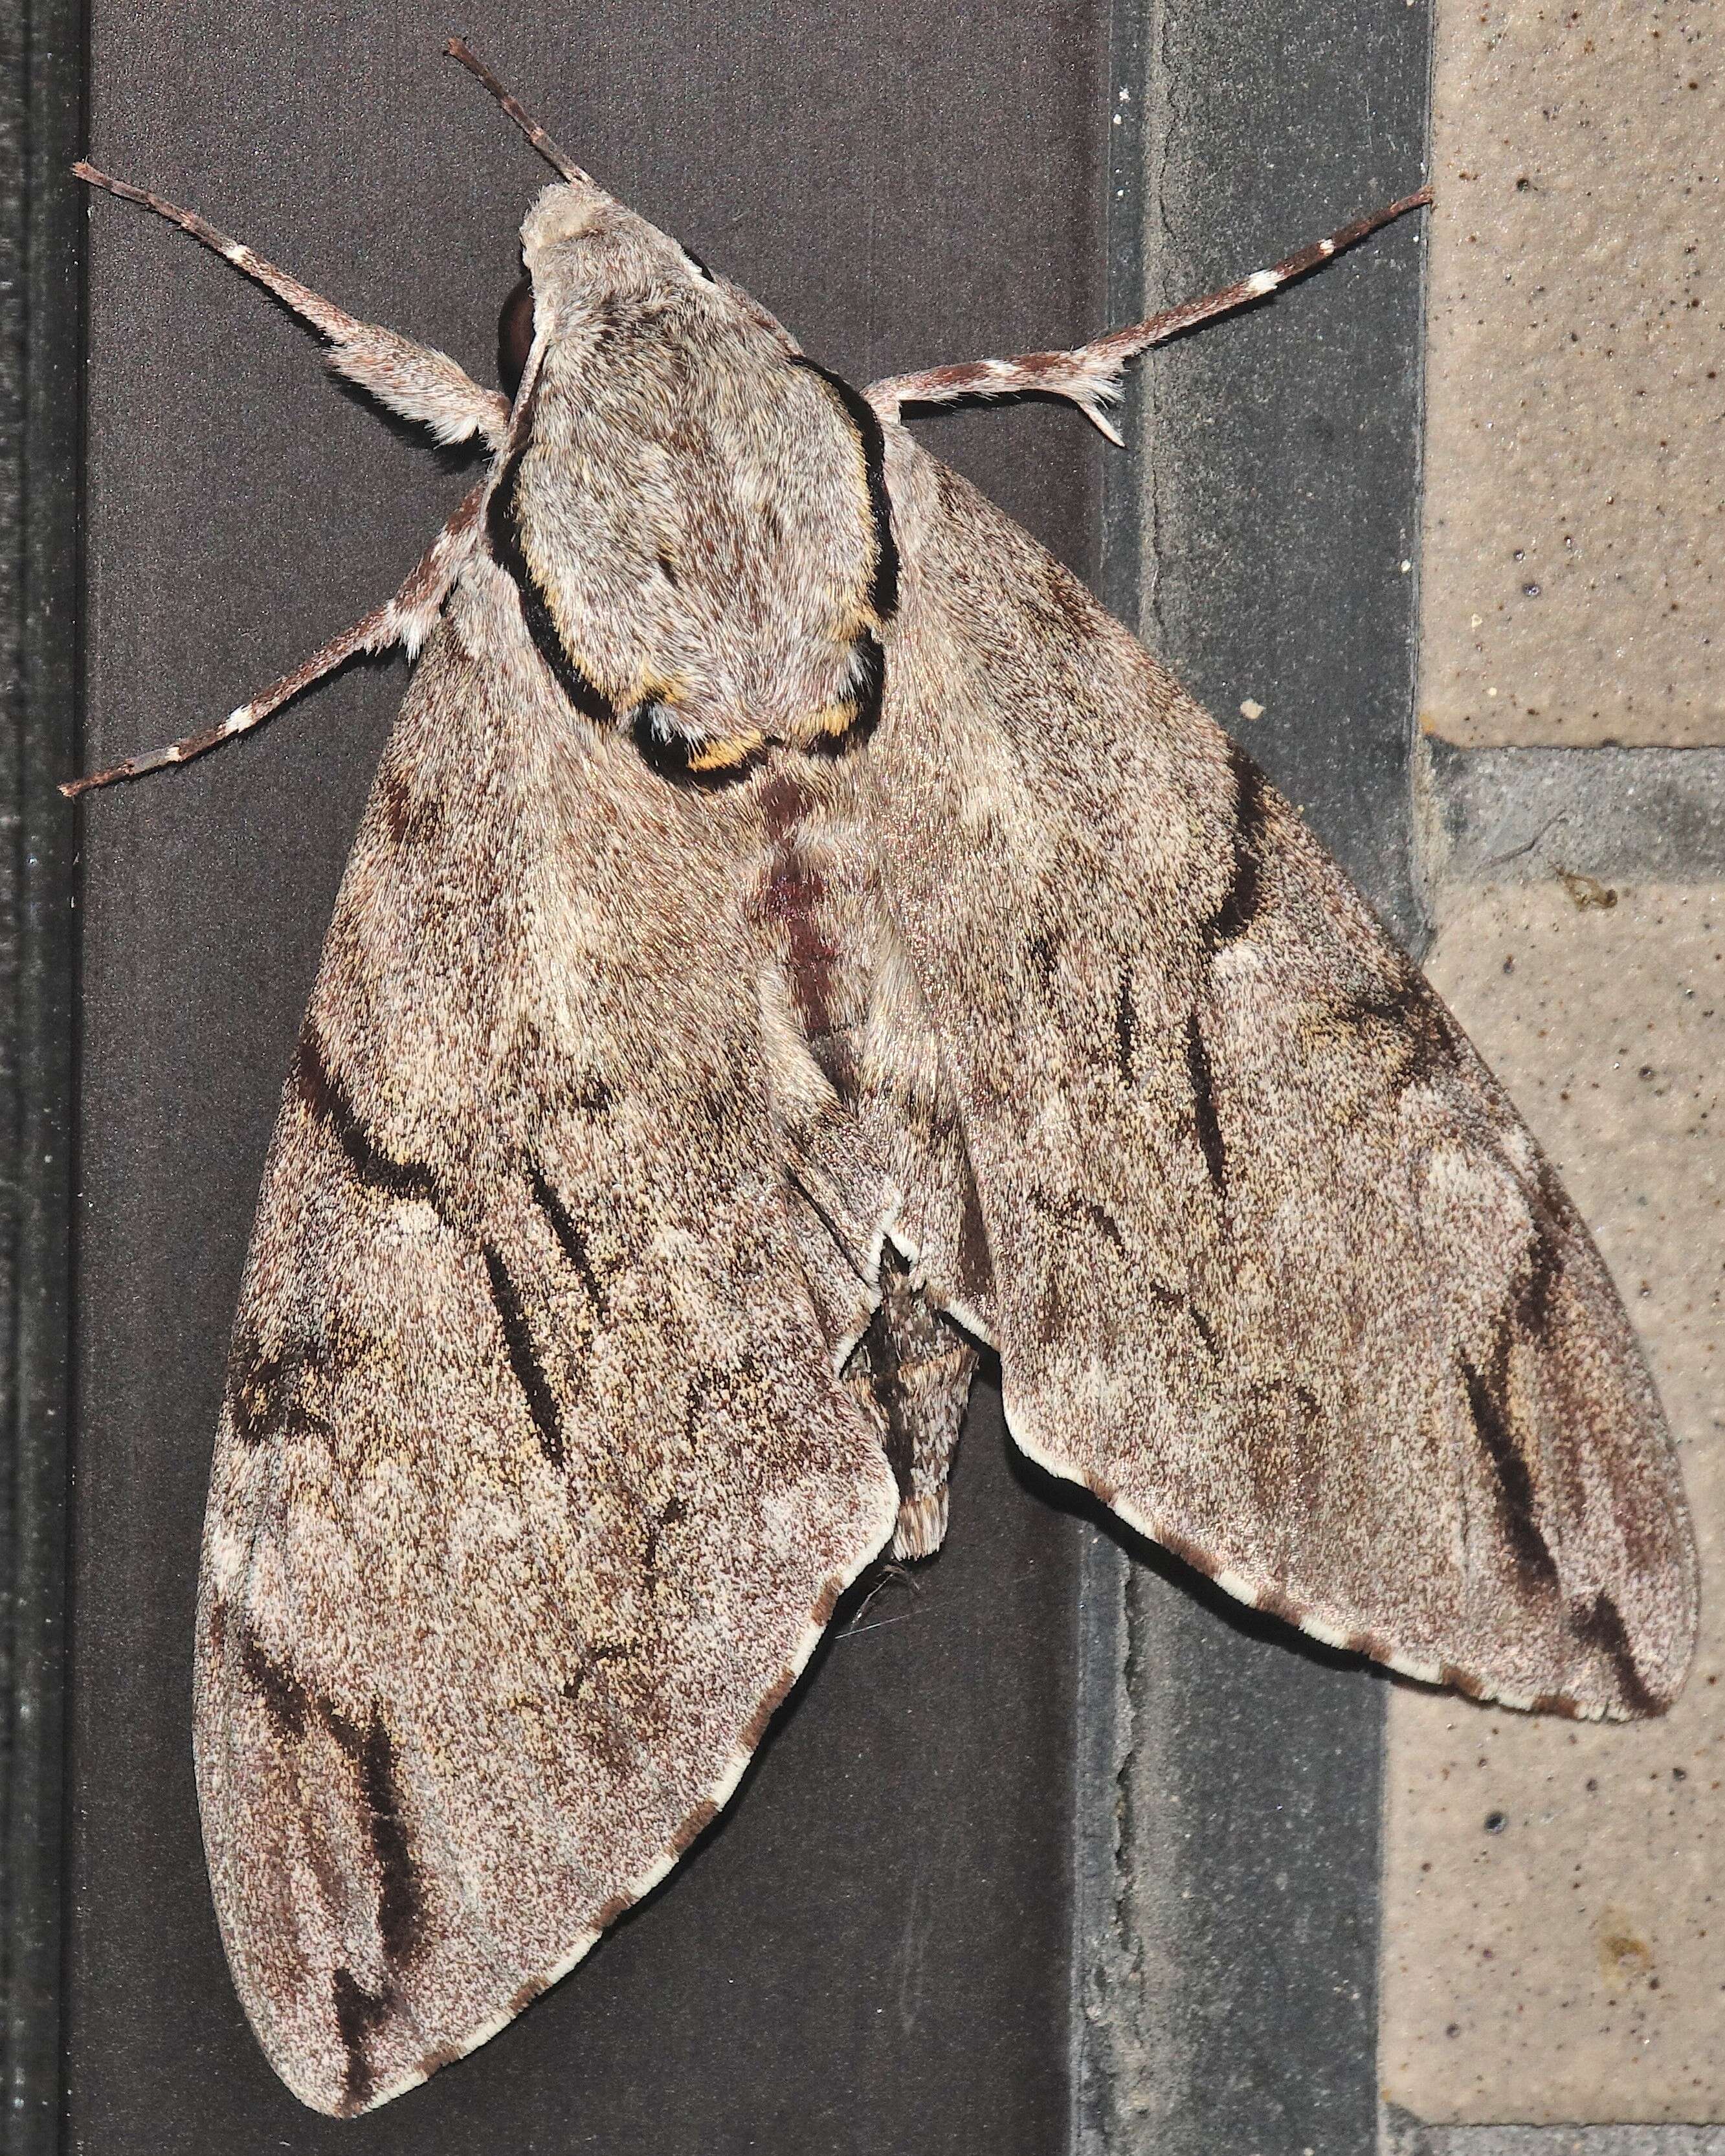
(1089, 375)
(912, 1369)
(406, 620)
(410, 379)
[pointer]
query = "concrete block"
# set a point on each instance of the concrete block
(1571, 581)
(1555, 1902)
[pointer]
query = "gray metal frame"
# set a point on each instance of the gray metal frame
(41, 303)
(1229, 1893)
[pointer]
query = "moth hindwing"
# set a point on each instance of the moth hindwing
(797, 943)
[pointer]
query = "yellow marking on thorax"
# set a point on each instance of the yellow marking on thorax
(860, 620)
(724, 755)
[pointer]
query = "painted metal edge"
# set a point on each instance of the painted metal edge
(1228, 1827)
(48, 81)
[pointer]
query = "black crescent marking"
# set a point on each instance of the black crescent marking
(671, 755)
(864, 700)
(883, 588)
(327, 1099)
(503, 530)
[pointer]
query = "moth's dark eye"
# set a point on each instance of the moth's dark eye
(515, 335)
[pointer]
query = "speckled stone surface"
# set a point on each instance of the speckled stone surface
(1407, 2138)
(1575, 447)
(1554, 1895)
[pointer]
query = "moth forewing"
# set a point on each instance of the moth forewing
(795, 937)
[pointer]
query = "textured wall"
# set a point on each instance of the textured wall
(1575, 484)
(1554, 1898)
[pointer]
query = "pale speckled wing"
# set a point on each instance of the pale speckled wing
(1278, 1272)
(534, 1486)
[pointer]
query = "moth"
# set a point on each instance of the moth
(795, 942)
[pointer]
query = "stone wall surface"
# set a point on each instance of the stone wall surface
(1553, 1944)
(1575, 479)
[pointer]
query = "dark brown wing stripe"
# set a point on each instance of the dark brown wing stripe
(1600, 1625)
(569, 1236)
(1239, 907)
(402, 1908)
(1203, 1104)
(1125, 1026)
(1515, 1488)
(283, 1698)
(524, 1357)
(1418, 1030)
(327, 1098)
(266, 1392)
(359, 2014)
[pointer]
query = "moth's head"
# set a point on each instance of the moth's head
(586, 258)
(696, 515)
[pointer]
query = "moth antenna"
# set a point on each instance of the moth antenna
(406, 620)
(1089, 375)
(458, 49)
(410, 378)
(1127, 343)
